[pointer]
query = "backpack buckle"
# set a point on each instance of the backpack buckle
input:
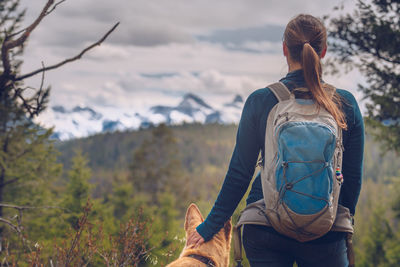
(260, 163)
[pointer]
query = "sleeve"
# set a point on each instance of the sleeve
(352, 165)
(239, 174)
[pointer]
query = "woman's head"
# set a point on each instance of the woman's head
(305, 30)
(305, 44)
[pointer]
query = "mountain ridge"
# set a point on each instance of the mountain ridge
(81, 121)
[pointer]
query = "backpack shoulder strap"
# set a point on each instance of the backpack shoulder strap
(280, 91)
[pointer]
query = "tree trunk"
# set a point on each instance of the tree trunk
(2, 180)
(4, 148)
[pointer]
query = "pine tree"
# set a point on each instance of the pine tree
(121, 200)
(157, 168)
(10, 20)
(167, 229)
(396, 198)
(27, 157)
(78, 188)
(393, 252)
(377, 240)
(160, 187)
(369, 40)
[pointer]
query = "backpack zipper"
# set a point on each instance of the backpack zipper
(285, 114)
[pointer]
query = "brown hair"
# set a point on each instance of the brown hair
(305, 38)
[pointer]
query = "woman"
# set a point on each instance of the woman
(304, 45)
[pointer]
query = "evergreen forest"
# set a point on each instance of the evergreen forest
(147, 178)
(119, 199)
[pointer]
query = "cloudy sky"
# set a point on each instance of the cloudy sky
(164, 49)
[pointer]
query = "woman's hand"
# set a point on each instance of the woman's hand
(194, 240)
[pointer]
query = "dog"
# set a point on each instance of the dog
(214, 253)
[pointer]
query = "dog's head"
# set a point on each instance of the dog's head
(216, 249)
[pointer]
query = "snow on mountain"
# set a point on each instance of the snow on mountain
(237, 102)
(191, 109)
(81, 121)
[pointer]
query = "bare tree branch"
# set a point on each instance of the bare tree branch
(24, 101)
(40, 93)
(13, 226)
(55, 6)
(32, 108)
(47, 13)
(22, 77)
(20, 208)
(81, 225)
(8, 43)
(9, 182)
(14, 43)
(18, 230)
(9, 78)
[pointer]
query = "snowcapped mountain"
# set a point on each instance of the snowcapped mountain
(82, 121)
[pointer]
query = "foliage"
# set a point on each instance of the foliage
(77, 190)
(10, 20)
(193, 142)
(377, 239)
(207, 170)
(27, 157)
(20, 140)
(86, 245)
(27, 164)
(369, 40)
(156, 166)
(29, 172)
(202, 151)
(157, 171)
(396, 197)
(375, 243)
(162, 209)
(141, 182)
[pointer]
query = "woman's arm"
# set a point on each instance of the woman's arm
(352, 165)
(240, 172)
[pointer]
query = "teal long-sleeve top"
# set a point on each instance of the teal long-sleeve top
(250, 141)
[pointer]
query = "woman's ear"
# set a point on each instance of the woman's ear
(285, 49)
(323, 53)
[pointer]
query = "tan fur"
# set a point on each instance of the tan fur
(216, 249)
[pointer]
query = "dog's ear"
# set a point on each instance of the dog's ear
(193, 217)
(228, 229)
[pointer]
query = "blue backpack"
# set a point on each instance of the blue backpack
(301, 172)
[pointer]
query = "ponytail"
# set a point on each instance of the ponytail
(305, 36)
(312, 74)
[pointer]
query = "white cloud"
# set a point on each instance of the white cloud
(161, 22)
(162, 37)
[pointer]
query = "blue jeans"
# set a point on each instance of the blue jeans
(268, 249)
